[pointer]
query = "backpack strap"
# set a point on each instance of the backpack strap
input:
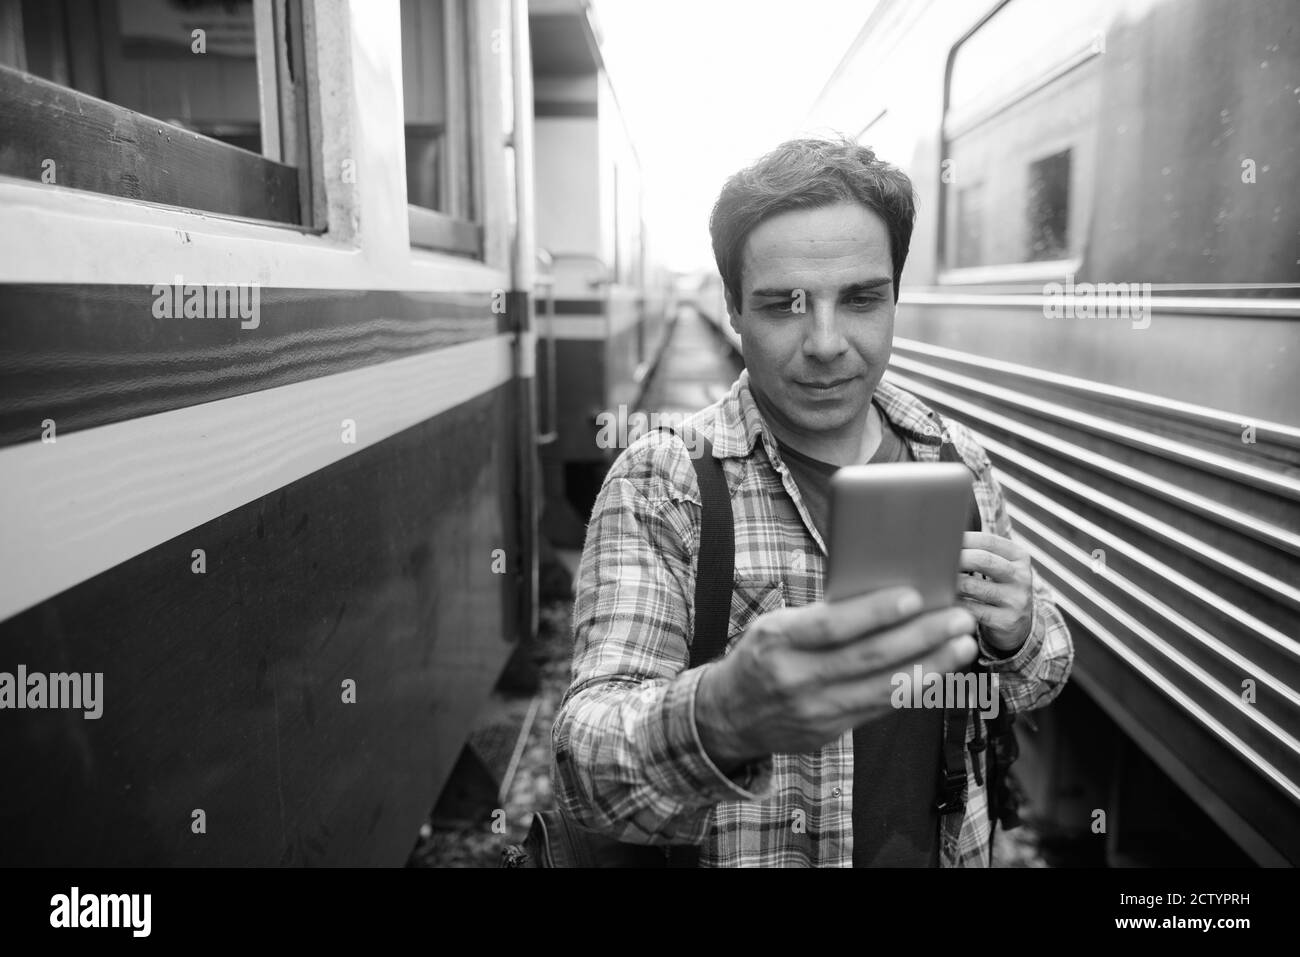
(715, 569)
(1000, 742)
(952, 776)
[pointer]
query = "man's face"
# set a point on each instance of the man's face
(814, 372)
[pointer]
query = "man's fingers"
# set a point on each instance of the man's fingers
(895, 646)
(954, 655)
(983, 590)
(1007, 548)
(986, 562)
(979, 610)
(828, 625)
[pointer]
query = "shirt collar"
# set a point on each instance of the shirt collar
(738, 424)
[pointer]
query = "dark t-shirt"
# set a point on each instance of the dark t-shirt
(896, 758)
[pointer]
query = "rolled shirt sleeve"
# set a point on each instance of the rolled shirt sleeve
(1035, 673)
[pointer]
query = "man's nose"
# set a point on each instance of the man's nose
(823, 338)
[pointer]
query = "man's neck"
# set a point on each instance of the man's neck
(849, 449)
(871, 435)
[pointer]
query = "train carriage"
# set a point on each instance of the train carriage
(1103, 283)
(268, 419)
(602, 309)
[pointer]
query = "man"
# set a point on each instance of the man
(787, 751)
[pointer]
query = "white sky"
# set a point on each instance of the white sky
(709, 85)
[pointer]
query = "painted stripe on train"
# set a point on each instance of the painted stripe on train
(593, 328)
(222, 690)
(92, 499)
(89, 355)
(573, 307)
(548, 108)
(588, 323)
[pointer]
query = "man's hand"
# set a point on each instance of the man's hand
(800, 677)
(1002, 600)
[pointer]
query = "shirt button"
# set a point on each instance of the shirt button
(835, 792)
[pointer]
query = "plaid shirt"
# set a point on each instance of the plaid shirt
(627, 756)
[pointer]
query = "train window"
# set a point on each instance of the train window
(1048, 207)
(1020, 131)
(437, 95)
(189, 103)
(970, 213)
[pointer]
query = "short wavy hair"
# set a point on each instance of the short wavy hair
(808, 174)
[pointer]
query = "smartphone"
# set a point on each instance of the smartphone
(898, 524)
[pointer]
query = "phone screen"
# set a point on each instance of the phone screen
(898, 524)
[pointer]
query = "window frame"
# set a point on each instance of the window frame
(1033, 167)
(460, 231)
(48, 119)
(954, 124)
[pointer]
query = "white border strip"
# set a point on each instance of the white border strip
(561, 326)
(93, 499)
(1172, 305)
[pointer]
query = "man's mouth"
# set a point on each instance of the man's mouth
(823, 386)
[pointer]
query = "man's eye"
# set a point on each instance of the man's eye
(781, 307)
(864, 301)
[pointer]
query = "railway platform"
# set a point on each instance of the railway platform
(697, 368)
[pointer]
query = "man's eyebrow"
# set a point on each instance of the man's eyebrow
(868, 285)
(865, 286)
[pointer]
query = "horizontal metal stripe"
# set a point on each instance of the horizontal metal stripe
(1166, 305)
(94, 498)
(1199, 504)
(1171, 449)
(1153, 676)
(1013, 279)
(1179, 623)
(1176, 580)
(1157, 529)
(90, 355)
(1216, 558)
(1294, 287)
(1186, 411)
